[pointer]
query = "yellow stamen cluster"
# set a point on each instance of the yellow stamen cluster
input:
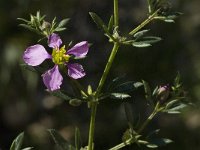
(59, 56)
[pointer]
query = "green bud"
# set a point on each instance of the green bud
(45, 25)
(75, 102)
(89, 90)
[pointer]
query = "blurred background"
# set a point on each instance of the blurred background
(26, 106)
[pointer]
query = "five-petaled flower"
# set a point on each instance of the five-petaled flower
(36, 54)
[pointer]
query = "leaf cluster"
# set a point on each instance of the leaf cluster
(150, 141)
(173, 103)
(165, 10)
(139, 39)
(39, 25)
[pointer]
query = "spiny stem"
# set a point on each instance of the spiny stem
(94, 102)
(144, 23)
(113, 53)
(107, 68)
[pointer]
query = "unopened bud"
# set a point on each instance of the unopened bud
(163, 93)
(45, 25)
(75, 102)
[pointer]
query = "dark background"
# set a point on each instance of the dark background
(25, 106)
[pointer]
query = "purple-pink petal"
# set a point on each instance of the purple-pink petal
(35, 55)
(54, 41)
(79, 50)
(75, 70)
(52, 78)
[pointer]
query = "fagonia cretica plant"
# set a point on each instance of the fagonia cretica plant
(169, 98)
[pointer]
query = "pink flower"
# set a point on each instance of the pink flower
(36, 54)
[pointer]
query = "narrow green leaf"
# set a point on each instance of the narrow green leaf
(42, 17)
(151, 39)
(152, 133)
(30, 68)
(27, 27)
(179, 107)
(172, 111)
(154, 143)
(155, 91)
(138, 84)
(169, 20)
(17, 143)
(150, 7)
(60, 29)
(63, 22)
(75, 102)
(172, 17)
(54, 21)
(177, 80)
(141, 44)
(36, 69)
(140, 33)
(115, 82)
(21, 19)
(111, 23)
(30, 28)
(129, 115)
(127, 87)
(38, 15)
(171, 103)
(60, 141)
(119, 96)
(60, 94)
(27, 148)
(98, 21)
(147, 90)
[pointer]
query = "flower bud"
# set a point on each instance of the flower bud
(163, 93)
(75, 102)
(45, 25)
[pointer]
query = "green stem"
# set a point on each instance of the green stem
(107, 68)
(113, 53)
(144, 23)
(92, 125)
(155, 111)
(147, 122)
(116, 13)
(94, 102)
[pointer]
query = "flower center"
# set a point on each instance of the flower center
(59, 56)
